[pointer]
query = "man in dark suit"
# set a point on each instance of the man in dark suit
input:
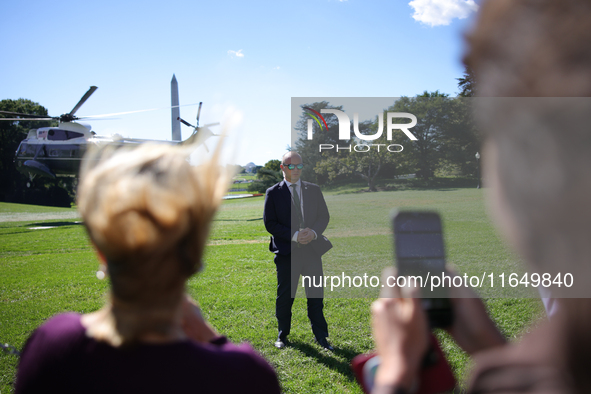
(296, 215)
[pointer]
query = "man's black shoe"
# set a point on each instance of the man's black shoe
(324, 343)
(280, 343)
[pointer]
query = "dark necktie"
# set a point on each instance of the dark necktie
(298, 204)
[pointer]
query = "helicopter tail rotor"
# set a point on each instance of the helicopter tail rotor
(186, 123)
(199, 132)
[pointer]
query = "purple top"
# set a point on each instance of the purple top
(60, 358)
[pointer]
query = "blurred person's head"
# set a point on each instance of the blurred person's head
(537, 158)
(532, 48)
(148, 212)
(537, 151)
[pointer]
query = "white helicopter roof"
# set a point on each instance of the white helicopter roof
(83, 129)
(73, 126)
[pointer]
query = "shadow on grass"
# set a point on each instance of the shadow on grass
(436, 184)
(328, 358)
(54, 224)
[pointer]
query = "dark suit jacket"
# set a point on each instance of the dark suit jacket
(279, 214)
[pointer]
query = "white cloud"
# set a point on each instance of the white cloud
(441, 12)
(276, 68)
(235, 53)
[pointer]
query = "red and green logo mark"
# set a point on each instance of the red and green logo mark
(316, 115)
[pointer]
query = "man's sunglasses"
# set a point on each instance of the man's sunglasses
(292, 166)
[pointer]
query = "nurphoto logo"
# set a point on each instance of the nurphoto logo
(345, 129)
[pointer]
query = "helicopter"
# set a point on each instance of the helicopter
(58, 151)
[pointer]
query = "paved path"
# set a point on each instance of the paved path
(35, 216)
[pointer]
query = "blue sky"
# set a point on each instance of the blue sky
(250, 57)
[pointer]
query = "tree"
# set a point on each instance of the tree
(11, 134)
(445, 140)
(367, 163)
(465, 141)
(433, 114)
(268, 175)
(466, 83)
(273, 165)
(266, 178)
(308, 149)
(355, 157)
(461, 138)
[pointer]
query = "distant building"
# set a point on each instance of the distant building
(250, 167)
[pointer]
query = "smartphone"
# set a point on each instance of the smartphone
(419, 251)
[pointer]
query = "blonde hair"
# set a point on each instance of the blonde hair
(148, 210)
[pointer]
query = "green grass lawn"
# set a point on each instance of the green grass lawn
(52, 270)
(245, 176)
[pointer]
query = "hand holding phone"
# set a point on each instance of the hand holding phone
(472, 328)
(409, 356)
(399, 325)
(401, 335)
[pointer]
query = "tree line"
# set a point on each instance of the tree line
(446, 141)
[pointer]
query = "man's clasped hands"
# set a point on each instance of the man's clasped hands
(306, 236)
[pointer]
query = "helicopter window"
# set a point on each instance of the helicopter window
(57, 135)
(62, 135)
(30, 150)
(22, 149)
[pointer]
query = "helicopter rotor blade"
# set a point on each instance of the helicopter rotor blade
(199, 112)
(25, 115)
(186, 123)
(83, 100)
(23, 119)
(131, 112)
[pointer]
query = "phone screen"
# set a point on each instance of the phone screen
(419, 248)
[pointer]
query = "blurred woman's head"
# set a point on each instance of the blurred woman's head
(527, 56)
(531, 61)
(531, 48)
(148, 211)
